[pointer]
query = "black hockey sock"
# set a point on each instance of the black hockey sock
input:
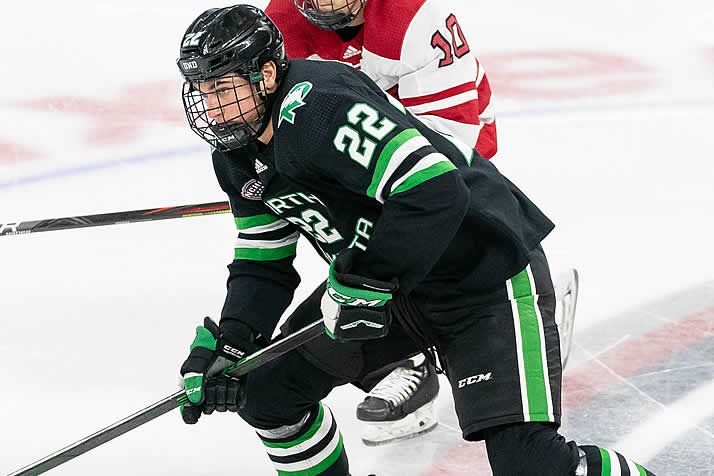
(604, 462)
(529, 449)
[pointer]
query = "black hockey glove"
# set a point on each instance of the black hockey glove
(355, 307)
(220, 347)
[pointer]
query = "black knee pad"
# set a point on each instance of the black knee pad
(281, 392)
(530, 449)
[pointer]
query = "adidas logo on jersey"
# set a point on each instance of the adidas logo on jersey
(260, 167)
(350, 52)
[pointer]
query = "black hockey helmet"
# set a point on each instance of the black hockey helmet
(231, 45)
(324, 13)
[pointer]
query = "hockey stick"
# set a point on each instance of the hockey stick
(171, 402)
(133, 216)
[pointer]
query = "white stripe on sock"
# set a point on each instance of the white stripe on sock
(311, 462)
(614, 464)
(310, 442)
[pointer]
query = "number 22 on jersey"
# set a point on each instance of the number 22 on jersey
(360, 147)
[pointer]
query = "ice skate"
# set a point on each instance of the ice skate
(401, 405)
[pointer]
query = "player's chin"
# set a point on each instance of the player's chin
(236, 121)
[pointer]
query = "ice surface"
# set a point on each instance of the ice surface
(604, 115)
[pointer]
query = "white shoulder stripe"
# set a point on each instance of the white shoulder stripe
(399, 155)
(424, 163)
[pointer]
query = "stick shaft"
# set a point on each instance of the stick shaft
(102, 436)
(132, 216)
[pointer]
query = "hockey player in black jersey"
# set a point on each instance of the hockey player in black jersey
(430, 248)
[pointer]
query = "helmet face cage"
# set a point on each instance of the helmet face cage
(329, 14)
(221, 58)
(227, 112)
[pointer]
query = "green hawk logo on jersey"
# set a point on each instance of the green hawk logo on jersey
(292, 101)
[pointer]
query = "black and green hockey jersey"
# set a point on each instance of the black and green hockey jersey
(349, 167)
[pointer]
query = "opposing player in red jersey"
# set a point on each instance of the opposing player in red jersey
(417, 51)
(414, 49)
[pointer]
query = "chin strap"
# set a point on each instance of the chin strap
(268, 102)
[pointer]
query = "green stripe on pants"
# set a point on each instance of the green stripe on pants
(531, 345)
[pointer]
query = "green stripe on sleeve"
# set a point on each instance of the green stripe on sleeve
(424, 175)
(266, 254)
(384, 157)
(256, 220)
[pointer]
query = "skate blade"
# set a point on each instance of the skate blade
(421, 421)
(399, 438)
(566, 292)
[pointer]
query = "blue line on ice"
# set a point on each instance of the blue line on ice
(94, 166)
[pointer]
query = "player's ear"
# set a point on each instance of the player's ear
(270, 78)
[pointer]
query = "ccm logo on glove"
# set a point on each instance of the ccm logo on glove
(354, 301)
(237, 353)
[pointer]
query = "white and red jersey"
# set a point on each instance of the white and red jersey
(415, 50)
